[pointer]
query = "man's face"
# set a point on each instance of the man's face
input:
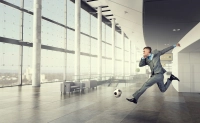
(146, 52)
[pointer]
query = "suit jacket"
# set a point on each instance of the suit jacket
(155, 64)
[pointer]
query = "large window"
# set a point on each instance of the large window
(53, 40)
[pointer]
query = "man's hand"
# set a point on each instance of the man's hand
(178, 45)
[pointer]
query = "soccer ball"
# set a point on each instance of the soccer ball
(117, 93)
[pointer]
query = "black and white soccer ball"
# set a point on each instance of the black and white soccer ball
(117, 93)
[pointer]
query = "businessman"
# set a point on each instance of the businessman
(152, 59)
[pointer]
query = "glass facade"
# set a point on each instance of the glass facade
(53, 36)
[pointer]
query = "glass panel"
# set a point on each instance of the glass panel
(103, 69)
(108, 51)
(127, 56)
(84, 67)
(85, 47)
(93, 47)
(10, 22)
(127, 68)
(93, 66)
(27, 65)
(85, 22)
(118, 68)
(28, 4)
(127, 44)
(51, 66)
(9, 64)
(118, 39)
(54, 10)
(103, 32)
(108, 34)
(103, 49)
(52, 34)
(70, 39)
(1, 19)
(70, 14)
(93, 26)
(108, 67)
(28, 28)
(70, 66)
(15, 2)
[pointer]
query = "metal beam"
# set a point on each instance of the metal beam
(106, 11)
(108, 15)
(90, 1)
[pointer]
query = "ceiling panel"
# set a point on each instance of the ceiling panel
(162, 16)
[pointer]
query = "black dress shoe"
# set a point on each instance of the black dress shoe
(172, 77)
(132, 100)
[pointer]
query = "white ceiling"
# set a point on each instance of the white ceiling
(129, 16)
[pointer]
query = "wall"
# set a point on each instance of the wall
(188, 71)
(186, 65)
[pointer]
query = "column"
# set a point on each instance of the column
(130, 54)
(99, 33)
(90, 47)
(134, 59)
(36, 59)
(123, 54)
(65, 44)
(113, 47)
(77, 40)
(21, 47)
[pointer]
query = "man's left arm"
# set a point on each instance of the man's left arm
(167, 49)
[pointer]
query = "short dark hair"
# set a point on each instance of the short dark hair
(149, 48)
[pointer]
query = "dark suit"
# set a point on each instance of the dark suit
(157, 72)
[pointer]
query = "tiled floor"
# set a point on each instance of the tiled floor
(27, 104)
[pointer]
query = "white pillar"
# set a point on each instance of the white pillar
(77, 40)
(113, 47)
(90, 46)
(36, 60)
(123, 54)
(130, 54)
(134, 58)
(65, 45)
(99, 33)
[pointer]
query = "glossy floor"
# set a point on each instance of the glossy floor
(27, 104)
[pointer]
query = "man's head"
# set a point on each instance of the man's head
(146, 51)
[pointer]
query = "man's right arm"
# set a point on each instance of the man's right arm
(142, 62)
